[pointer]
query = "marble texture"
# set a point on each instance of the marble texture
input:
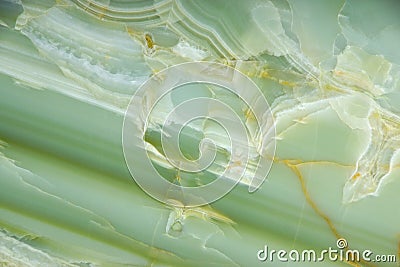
(330, 71)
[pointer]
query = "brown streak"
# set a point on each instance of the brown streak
(293, 167)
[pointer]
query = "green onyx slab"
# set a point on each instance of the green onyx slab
(329, 71)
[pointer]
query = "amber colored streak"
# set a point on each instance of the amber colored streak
(310, 201)
(293, 167)
(149, 41)
(356, 176)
